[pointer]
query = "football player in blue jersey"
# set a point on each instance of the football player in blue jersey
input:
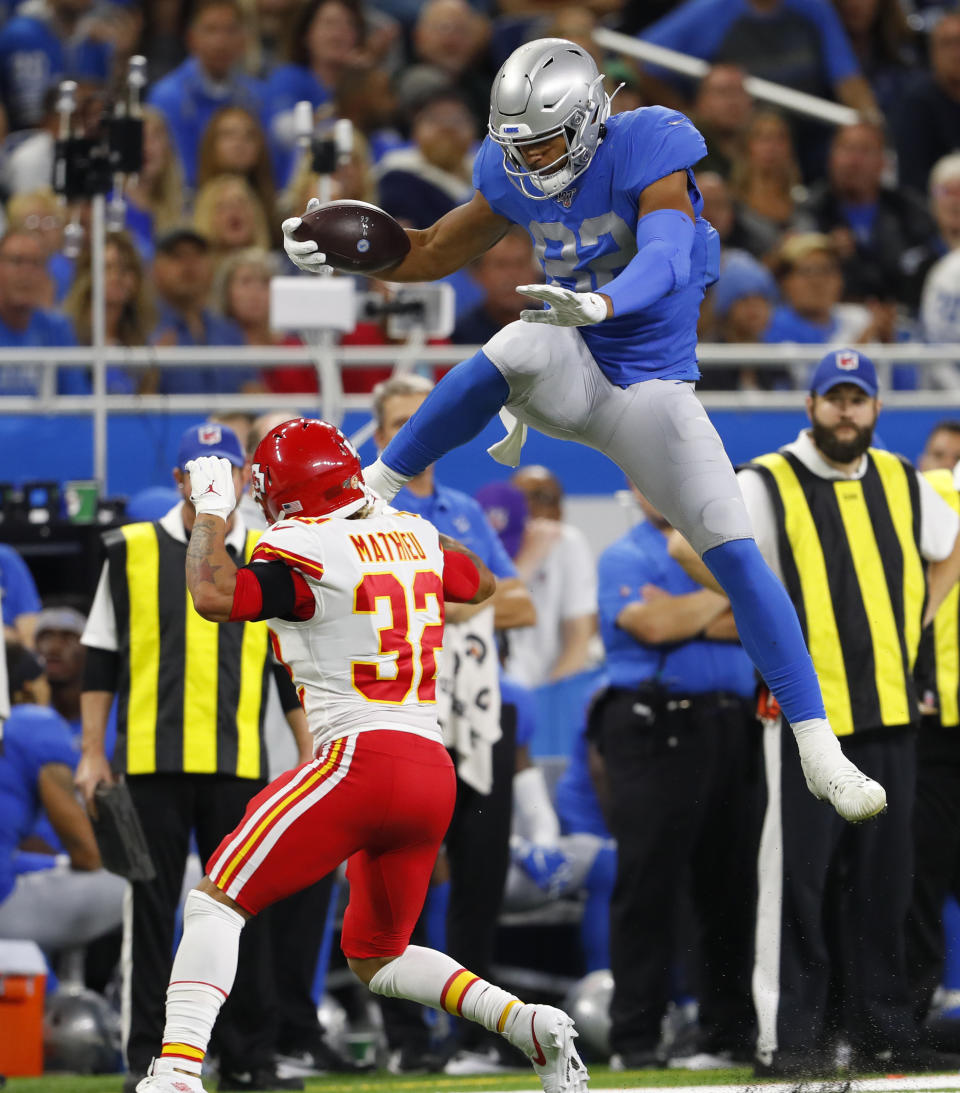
(613, 209)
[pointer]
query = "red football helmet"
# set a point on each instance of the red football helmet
(307, 467)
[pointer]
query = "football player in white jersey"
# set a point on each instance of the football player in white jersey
(354, 594)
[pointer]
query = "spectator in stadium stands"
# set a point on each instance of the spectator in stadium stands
(24, 321)
(765, 183)
(210, 78)
(325, 36)
(721, 111)
(928, 125)
(56, 903)
(478, 838)
(42, 45)
(449, 42)
(190, 745)
(183, 277)
(156, 199)
(129, 306)
(880, 232)
(885, 48)
(242, 294)
(418, 185)
(229, 215)
(234, 143)
(740, 306)
(945, 201)
(811, 284)
(19, 598)
(735, 232)
(798, 44)
(677, 734)
(41, 211)
(365, 97)
(498, 271)
(556, 564)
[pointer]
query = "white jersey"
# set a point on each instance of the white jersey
(367, 659)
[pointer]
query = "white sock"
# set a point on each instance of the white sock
(203, 973)
(816, 735)
(436, 980)
(384, 481)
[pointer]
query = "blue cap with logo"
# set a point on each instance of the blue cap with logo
(210, 439)
(845, 366)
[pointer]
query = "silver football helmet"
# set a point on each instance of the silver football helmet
(545, 89)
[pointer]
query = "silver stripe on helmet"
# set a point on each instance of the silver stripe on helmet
(545, 89)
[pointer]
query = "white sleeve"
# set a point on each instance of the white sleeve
(756, 497)
(579, 575)
(101, 628)
(939, 524)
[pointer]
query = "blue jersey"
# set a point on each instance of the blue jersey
(33, 57)
(585, 236)
(33, 736)
(18, 588)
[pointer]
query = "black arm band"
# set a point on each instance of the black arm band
(285, 689)
(101, 669)
(277, 588)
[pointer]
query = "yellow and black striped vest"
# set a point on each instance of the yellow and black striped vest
(942, 669)
(191, 694)
(850, 555)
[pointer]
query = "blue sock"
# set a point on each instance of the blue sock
(595, 923)
(768, 626)
(454, 412)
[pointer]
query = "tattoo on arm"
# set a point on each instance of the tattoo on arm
(208, 562)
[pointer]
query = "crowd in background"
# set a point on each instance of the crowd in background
(831, 235)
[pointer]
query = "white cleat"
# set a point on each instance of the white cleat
(168, 1081)
(832, 777)
(545, 1035)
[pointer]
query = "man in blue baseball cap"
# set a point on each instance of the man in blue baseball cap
(210, 438)
(850, 530)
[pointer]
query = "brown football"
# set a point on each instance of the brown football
(355, 237)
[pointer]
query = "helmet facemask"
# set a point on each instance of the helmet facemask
(582, 131)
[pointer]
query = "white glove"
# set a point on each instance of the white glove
(306, 256)
(211, 486)
(566, 308)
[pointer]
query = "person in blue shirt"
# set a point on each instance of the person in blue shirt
(19, 598)
(24, 323)
(799, 43)
(57, 902)
(613, 208)
(676, 731)
(183, 276)
(325, 37)
(207, 80)
(39, 47)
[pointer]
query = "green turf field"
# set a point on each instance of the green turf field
(602, 1080)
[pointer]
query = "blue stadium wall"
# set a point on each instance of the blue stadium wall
(142, 447)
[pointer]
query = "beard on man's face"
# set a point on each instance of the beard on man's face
(846, 450)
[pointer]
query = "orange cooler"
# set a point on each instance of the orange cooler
(23, 975)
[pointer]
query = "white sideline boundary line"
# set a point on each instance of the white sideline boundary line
(894, 1083)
